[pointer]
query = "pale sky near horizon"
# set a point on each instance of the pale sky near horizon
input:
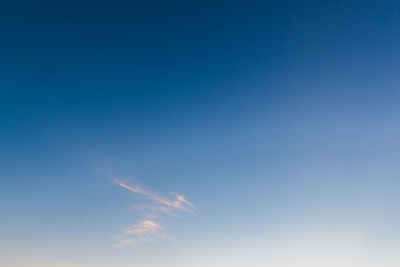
(199, 133)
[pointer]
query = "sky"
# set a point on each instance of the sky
(199, 133)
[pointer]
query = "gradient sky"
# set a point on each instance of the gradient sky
(199, 133)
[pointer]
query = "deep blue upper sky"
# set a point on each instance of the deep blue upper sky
(263, 113)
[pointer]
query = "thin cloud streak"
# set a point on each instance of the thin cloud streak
(143, 228)
(143, 231)
(166, 204)
(148, 230)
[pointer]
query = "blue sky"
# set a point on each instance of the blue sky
(204, 133)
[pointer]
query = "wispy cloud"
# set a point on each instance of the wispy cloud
(163, 204)
(147, 230)
(143, 228)
(121, 242)
(143, 231)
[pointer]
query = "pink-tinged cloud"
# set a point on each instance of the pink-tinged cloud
(147, 230)
(123, 242)
(165, 205)
(181, 198)
(143, 227)
(143, 231)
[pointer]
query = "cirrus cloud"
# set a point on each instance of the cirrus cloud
(163, 204)
(147, 230)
